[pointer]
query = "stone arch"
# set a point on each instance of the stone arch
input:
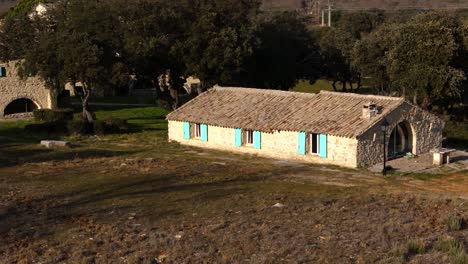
(402, 139)
(19, 105)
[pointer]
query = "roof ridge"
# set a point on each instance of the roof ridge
(363, 95)
(263, 91)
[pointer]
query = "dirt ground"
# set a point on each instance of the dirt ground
(125, 203)
(424, 164)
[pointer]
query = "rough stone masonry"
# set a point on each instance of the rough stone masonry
(12, 87)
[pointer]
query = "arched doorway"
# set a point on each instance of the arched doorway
(21, 105)
(401, 140)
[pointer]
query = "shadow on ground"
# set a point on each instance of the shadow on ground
(14, 154)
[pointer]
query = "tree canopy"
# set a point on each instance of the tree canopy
(422, 59)
(235, 43)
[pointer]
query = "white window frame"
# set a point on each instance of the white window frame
(310, 141)
(249, 137)
(197, 131)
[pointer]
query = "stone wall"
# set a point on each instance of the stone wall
(12, 88)
(426, 130)
(279, 144)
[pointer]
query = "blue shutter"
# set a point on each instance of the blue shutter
(257, 139)
(204, 132)
(186, 130)
(301, 143)
(238, 137)
(323, 146)
(2, 72)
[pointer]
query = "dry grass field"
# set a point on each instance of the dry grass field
(135, 198)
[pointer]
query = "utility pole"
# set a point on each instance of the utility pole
(329, 14)
(323, 18)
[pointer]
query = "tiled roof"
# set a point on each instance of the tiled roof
(332, 113)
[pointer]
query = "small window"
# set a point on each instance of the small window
(198, 131)
(249, 137)
(314, 144)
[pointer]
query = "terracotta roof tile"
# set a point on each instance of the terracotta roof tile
(332, 113)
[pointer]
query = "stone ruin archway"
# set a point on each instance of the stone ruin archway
(18, 96)
(22, 105)
(402, 140)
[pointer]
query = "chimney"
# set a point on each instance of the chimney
(369, 110)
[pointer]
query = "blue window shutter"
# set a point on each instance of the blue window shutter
(2, 72)
(323, 146)
(204, 132)
(186, 130)
(238, 137)
(301, 143)
(257, 139)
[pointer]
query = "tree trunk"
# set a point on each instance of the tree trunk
(87, 115)
(427, 103)
(173, 92)
(343, 86)
(359, 84)
(334, 86)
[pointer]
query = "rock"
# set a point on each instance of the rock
(179, 235)
(55, 143)
(278, 205)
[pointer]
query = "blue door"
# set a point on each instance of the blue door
(257, 137)
(323, 146)
(186, 130)
(301, 143)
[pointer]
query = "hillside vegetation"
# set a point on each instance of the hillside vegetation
(370, 4)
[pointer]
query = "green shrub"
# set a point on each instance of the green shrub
(110, 125)
(454, 223)
(80, 127)
(52, 115)
(415, 246)
(54, 128)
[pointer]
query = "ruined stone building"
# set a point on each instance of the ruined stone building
(328, 128)
(19, 97)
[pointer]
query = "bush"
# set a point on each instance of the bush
(53, 115)
(54, 128)
(454, 223)
(110, 125)
(80, 127)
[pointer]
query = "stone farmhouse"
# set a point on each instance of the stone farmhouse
(327, 128)
(19, 97)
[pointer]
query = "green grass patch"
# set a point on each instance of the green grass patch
(454, 247)
(415, 246)
(120, 100)
(454, 223)
(306, 87)
(457, 134)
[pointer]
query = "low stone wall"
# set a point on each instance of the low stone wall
(341, 151)
(12, 88)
